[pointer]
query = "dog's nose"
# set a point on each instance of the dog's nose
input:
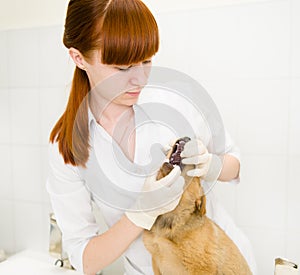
(164, 170)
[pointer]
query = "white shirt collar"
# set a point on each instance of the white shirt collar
(91, 117)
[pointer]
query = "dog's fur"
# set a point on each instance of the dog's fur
(186, 242)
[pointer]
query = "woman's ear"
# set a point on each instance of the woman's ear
(77, 58)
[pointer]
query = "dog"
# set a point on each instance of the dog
(186, 242)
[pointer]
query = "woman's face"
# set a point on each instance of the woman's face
(115, 83)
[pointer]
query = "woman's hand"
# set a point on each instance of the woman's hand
(157, 197)
(207, 166)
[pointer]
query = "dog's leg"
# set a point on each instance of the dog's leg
(155, 267)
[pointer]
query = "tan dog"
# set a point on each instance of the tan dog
(186, 242)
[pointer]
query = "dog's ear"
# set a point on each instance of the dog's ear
(201, 205)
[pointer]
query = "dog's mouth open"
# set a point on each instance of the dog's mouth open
(192, 201)
(174, 157)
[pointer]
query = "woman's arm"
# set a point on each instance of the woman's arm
(105, 248)
(230, 169)
(71, 202)
(102, 250)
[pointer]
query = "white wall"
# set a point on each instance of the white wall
(247, 58)
(16, 14)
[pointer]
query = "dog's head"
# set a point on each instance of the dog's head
(193, 198)
(192, 202)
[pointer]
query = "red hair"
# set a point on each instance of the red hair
(125, 32)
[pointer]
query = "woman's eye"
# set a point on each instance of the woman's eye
(124, 69)
(147, 62)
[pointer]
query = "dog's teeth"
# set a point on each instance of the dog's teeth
(177, 149)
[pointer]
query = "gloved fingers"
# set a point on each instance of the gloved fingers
(172, 141)
(192, 148)
(171, 206)
(152, 184)
(215, 169)
(158, 198)
(198, 172)
(167, 147)
(149, 183)
(164, 209)
(169, 179)
(199, 159)
(170, 195)
(176, 189)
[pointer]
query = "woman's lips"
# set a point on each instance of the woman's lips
(133, 93)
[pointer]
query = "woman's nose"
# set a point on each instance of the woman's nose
(140, 74)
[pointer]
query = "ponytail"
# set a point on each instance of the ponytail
(72, 129)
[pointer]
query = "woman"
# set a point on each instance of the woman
(112, 43)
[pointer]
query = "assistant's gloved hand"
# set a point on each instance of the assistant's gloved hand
(207, 166)
(157, 197)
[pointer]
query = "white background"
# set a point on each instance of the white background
(247, 57)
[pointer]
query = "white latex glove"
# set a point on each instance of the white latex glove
(167, 147)
(207, 166)
(158, 197)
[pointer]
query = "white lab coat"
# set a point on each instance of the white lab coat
(71, 196)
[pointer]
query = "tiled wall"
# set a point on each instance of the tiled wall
(246, 56)
(34, 75)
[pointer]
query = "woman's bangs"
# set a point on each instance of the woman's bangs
(129, 33)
